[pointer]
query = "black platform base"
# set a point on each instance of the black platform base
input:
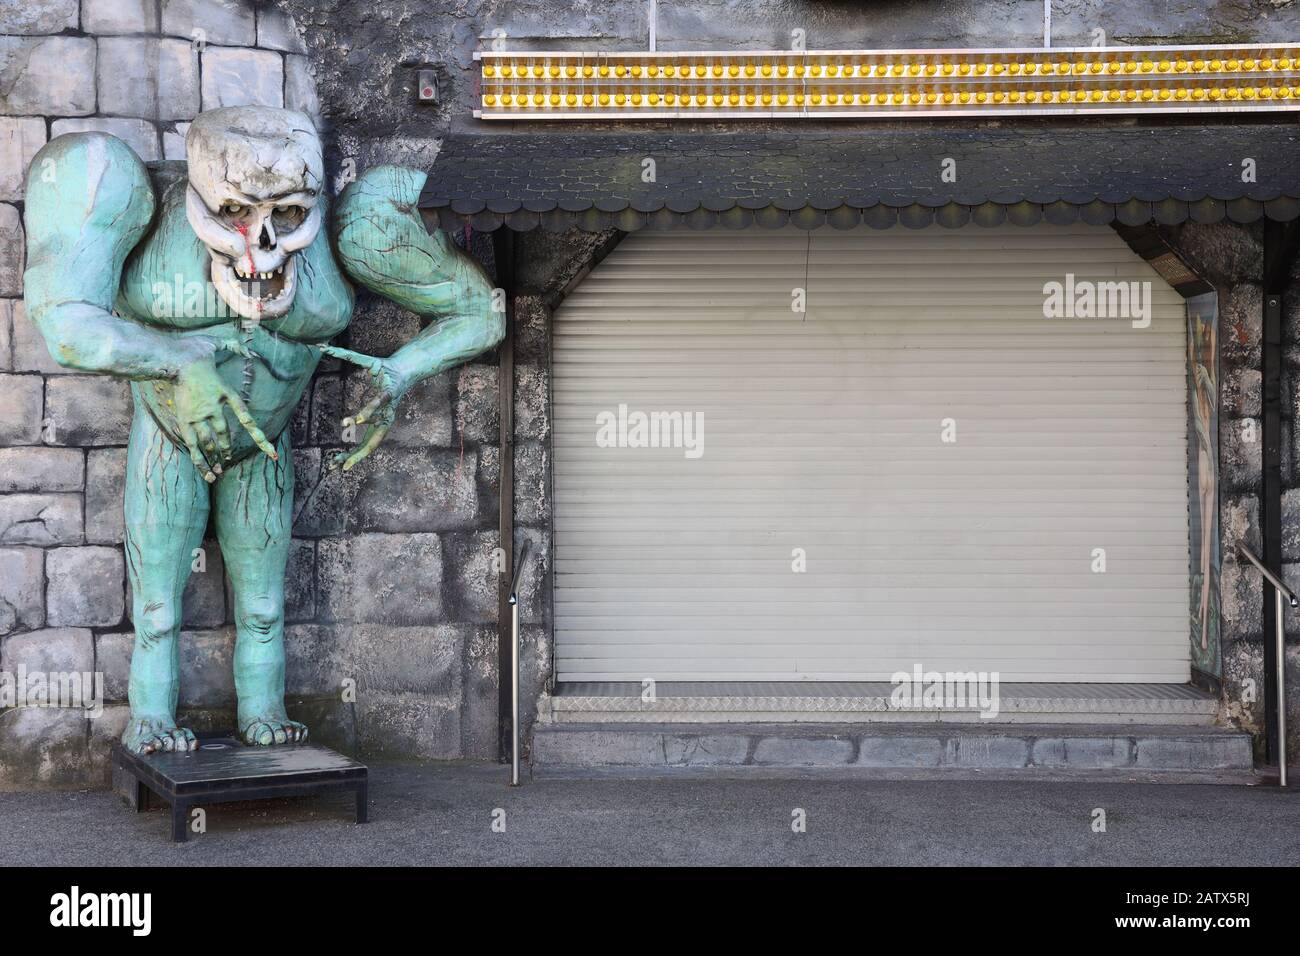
(224, 770)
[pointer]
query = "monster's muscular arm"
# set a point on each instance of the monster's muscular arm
(89, 201)
(383, 244)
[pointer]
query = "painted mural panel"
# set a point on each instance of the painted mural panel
(1203, 480)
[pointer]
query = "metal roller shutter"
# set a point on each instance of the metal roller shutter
(823, 432)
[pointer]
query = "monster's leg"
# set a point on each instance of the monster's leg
(166, 510)
(254, 502)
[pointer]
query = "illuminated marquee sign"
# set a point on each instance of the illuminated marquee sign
(879, 83)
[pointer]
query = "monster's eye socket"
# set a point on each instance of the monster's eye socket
(232, 209)
(289, 216)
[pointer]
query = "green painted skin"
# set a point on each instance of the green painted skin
(118, 283)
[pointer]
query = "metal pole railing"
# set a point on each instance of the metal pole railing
(514, 665)
(1280, 591)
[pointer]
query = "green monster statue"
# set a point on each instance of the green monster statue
(212, 287)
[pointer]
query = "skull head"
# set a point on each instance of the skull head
(255, 175)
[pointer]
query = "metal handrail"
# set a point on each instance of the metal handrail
(1280, 590)
(514, 660)
(1269, 576)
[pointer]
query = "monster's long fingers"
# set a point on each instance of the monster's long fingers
(372, 406)
(192, 444)
(374, 436)
(250, 426)
(222, 431)
(347, 355)
(208, 442)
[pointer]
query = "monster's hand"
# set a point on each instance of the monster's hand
(199, 395)
(380, 412)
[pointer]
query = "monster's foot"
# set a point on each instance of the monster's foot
(147, 735)
(270, 729)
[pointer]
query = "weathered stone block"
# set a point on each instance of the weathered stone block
(474, 557)
(105, 486)
(1242, 600)
(300, 581)
(320, 496)
(1242, 393)
(210, 21)
(43, 746)
(41, 469)
(705, 750)
(22, 589)
(152, 77)
(20, 138)
(105, 731)
(207, 668)
(6, 334)
(532, 483)
(40, 519)
(988, 750)
(242, 78)
(49, 76)
(803, 752)
(276, 30)
(21, 404)
(300, 87)
(561, 746)
(413, 490)
(33, 17)
(1081, 753)
(532, 402)
(478, 403)
(899, 751)
(1241, 446)
(380, 578)
(140, 135)
(407, 725)
(113, 659)
(534, 590)
(323, 660)
(1239, 518)
(109, 17)
(327, 411)
(1242, 321)
(30, 353)
(13, 254)
(84, 587)
(87, 410)
(51, 651)
(330, 721)
(1201, 752)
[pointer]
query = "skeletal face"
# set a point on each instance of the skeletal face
(255, 174)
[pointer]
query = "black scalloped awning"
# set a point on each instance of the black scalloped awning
(1133, 175)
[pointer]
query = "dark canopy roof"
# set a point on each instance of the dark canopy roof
(594, 181)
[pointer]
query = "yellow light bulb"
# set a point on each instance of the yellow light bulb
(1130, 95)
(587, 99)
(604, 99)
(964, 97)
(1147, 66)
(620, 98)
(1249, 66)
(489, 100)
(717, 69)
(767, 99)
(604, 70)
(815, 99)
(997, 69)
(749, 99)
(948, 97)
(717, 99)
(1113, 66)
(506, 99)
(798, 99)
(798, 69)
(700, 69)
(539, 99)
(571, 99)
(931, 98)
(555, 71)
(929, 69)
(1113, 95)
(1013, 69)
(1031, 96)
(964, 69)
(489, 70)
(1130, 67)
(1095, 67)
(783, 98)
(749, 69)
(571, 70)
(1148, 94)
(1234, 65)
(1266, 64)
(767, 69)
(537, 70)
(981, 96)
(999, 96)
(783, 70)
(914, 69)
(586, 71)
(947, 69)
(1198, 65)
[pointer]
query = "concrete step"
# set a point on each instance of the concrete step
(1020, 749)
(783, 702)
